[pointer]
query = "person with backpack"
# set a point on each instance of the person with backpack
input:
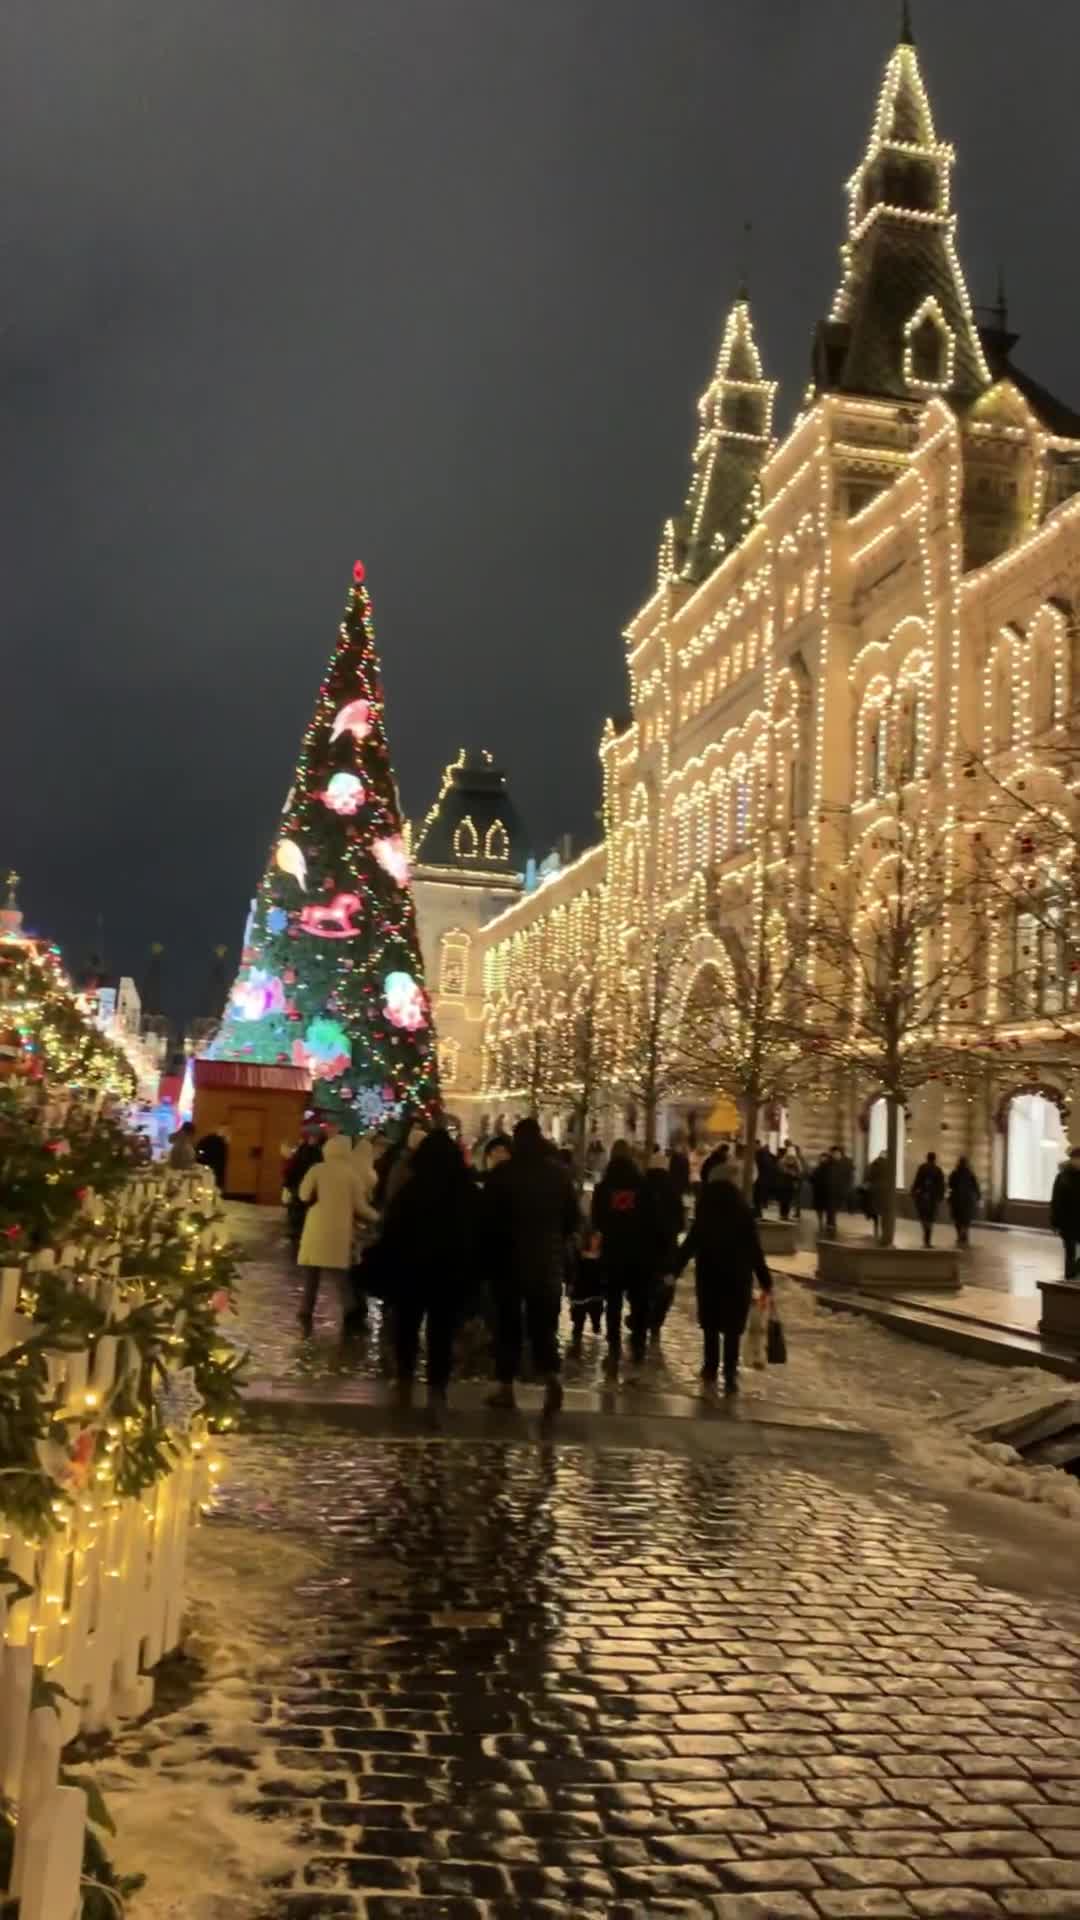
(623, 1216)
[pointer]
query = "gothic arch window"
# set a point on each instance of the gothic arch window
(929, 349)
(1002, 716)
(1046, 672)
(497, 842)
(453, 964)
(466, 840)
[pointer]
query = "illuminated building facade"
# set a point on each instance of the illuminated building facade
(906, 560)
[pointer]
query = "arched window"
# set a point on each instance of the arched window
(1003, 700)
(929, 348)
(497, 842)
(449, 1052)
(740, 809)
(913, 718)
(453, 964)
(877, 752)
(1045, 671)
(466, 841)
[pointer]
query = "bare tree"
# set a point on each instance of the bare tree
(645, 1068)
(588, 1044)
(738, 1029)
(897, 971)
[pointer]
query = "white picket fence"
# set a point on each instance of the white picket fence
(107, 1585)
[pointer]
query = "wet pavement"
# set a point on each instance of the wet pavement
(539, 1679)
(729, 1664)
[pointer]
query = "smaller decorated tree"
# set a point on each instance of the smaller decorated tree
(330, 974)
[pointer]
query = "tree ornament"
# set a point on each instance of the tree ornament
(290, 859)
(359, 572)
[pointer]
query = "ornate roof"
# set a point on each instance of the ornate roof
(902, 325)
(735, 414)
(473, 825)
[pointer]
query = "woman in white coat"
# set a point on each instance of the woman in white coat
(337, 1194)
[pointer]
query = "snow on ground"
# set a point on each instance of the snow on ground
(925, 1400)
(175, 1786)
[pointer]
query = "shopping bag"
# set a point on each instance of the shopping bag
(755, 1345)
(776, 1345)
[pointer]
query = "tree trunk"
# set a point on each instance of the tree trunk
(751, 1108)
(649, 1130)
(892, 1148)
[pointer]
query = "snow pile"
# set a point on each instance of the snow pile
(177, 1784)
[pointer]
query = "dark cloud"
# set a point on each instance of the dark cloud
(432, 281)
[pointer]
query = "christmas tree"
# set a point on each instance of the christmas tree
(330, 974)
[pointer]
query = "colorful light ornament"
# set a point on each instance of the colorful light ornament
(289, 858)
(344, 794)
(335, 921)
(256, 994)
(357, 718)
(392, 858)
(277, 920)
(404, 1004)
(324, 1050)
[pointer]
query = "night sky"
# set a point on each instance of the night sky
(432, 282)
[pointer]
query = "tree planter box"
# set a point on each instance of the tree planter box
(777, 1236)
(874, 1269)
(1061, 1310)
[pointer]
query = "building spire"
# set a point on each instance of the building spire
(1001, 304)
(735, 435)
(742, 291)
(907, 32)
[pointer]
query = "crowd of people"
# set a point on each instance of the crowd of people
(503, 1236)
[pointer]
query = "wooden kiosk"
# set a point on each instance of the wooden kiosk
(261, 1109)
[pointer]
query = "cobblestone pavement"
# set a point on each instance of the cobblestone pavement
(838, 1366)
(537, 1680)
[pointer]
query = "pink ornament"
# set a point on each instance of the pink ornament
(356, 718)
(344, 794)
(335, 920)
(220, 1300)
(359, 572)
(392, 858)
(256, 995)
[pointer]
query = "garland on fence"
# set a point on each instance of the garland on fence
(166, 1298)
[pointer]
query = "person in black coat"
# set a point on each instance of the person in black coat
(306, 1155)
(1065, 1209)
(213, 1152)
(426, 1247)
(530, 1212)
(677, 1164)
(725, 1244)
(928, 1192)
(667, 1203)
(623, 1215)
(963, 1198)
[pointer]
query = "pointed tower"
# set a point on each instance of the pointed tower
(901, 325)
(736, 414)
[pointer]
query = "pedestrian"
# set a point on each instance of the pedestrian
(396, 1164)
(877, 1192)
(530, 1211)
(764, 1189)
(426, 1246)
(788, 1180)
(928, 1192)
(964, 1198)
(678, 1165)
(820, 1182)
(596, 1158)
(363, 1162)
(623, 1216)
(496, 1150)
(1065, 1209)
(667, 1207)
(213, 1152)
(718, 1164)
(307, 1154)
(333, 1194)
(182, 1155)
(726, 1246)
